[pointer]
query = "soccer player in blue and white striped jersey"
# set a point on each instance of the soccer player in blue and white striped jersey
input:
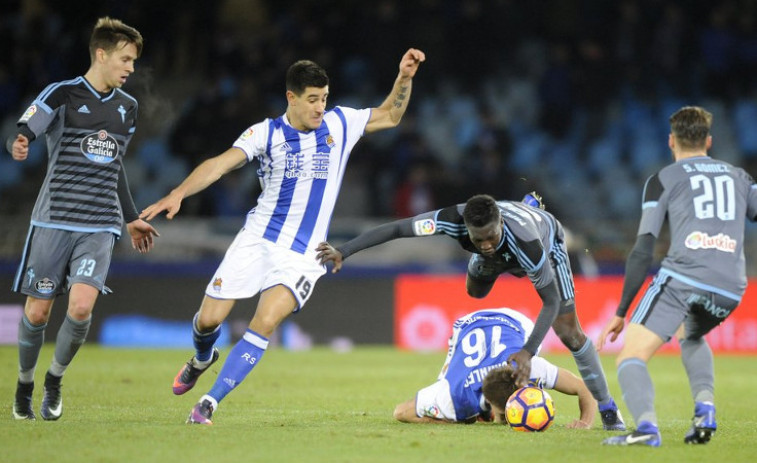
(303, 155)
(475, 380)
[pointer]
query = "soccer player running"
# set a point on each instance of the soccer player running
(303, 155)
(700, 281)
(476, 381)
(84, 200)
(507, 237)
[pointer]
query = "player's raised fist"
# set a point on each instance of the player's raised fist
(410, 62)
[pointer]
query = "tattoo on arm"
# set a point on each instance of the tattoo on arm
(400, 97)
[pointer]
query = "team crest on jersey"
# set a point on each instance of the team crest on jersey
(330, 141)
(424, 227)
(701, 240)
(217, 284)
(32, 110)
(246, 134)
(100, 147)
(44, 286)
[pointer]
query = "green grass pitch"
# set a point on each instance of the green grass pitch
(325, 406)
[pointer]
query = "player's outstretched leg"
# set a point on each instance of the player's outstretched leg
(646, 434)
(203, 411)
(186, 378)
(703, 424)
(52, 400)
(22, 405)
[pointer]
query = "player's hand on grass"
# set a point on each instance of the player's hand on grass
(578, 424)
(142, 234)
(613, 329)
(521, 363)
(170, 203)
(328, 253)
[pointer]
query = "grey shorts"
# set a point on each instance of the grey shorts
(669, 302)
(55, 259)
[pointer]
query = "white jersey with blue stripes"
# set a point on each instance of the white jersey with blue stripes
(481, 341)
(300, 174)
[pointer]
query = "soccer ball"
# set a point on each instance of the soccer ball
(530, 409)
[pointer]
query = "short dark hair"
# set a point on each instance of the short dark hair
(499, 385)
(691, 127)
(108, 33)
(481, 210)
(303, 74)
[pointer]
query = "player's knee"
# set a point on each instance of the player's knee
(207, 322)
(37, 317)
(571, 336)
(37, 311)
(80, 309)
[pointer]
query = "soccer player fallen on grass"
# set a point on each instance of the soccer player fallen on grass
(701, 280)
(81, 208)
(476, 381)
(303, 155)
(507, 237)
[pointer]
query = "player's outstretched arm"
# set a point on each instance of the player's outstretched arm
(402, 228)
(637, 266)
(390, 112)
(203, 176)
(569, 383)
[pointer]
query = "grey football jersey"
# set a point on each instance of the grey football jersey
(87, 135)
(528, 238)
(706, 202)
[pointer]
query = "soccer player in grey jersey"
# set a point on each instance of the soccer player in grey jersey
(84, 200)
(701, 279)
(507, 237)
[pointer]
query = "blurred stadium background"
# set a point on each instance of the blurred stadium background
(566, 97)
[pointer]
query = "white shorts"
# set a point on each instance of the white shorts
(435, 401)
(253, 264)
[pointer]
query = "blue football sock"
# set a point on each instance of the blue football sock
(204, 341)
(240, 362)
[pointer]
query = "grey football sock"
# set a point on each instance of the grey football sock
(30, 340)
(587, 361)
(638, 390)
(71, 336)
(698, 361)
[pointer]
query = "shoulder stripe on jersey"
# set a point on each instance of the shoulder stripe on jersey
(523, 259)
(315, 199)
(451, 229)
(286, 191)
(52, 87)
(121, 92)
